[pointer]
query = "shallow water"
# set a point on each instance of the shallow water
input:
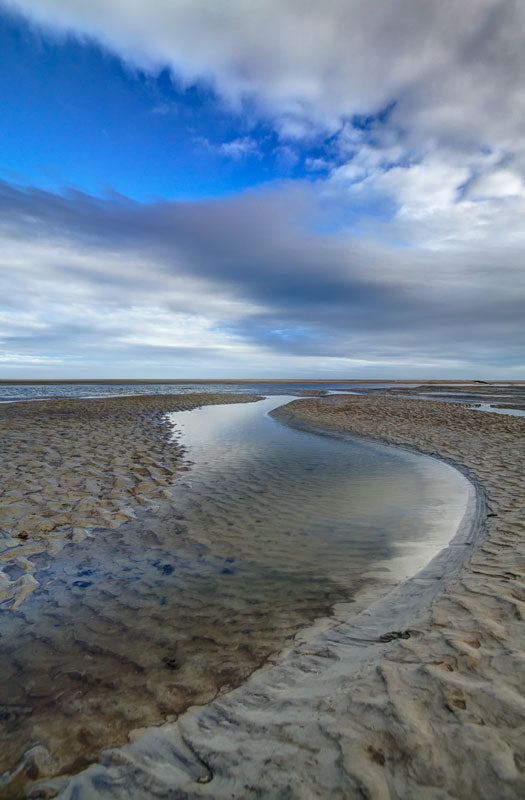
(513, 412)
(315, 503)
(16, 392)
(24, 392)
(33, 392)
(266, 531)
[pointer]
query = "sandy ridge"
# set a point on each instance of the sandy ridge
(434, 709)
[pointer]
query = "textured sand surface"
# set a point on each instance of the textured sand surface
(420, 696)
(62, 475)
(132, 626)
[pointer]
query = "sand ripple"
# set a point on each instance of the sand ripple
(62, 476)
(421, 696)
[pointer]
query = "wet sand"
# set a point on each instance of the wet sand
(420, 695)
(71, 466)
(268, 531)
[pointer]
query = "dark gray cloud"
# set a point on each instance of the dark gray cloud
(247, 284)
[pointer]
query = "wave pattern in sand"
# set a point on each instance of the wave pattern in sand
(406, 701)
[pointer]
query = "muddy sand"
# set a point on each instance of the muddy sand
(418, 696)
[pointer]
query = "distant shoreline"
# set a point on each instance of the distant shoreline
(205, 381)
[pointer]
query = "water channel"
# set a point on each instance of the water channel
(268, 530)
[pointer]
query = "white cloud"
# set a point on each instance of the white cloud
(450, 74)
(316, 164)
(497, 184)
(24, 360)
(239, 148)
(443, 200)
(454, 68)
(96, 302)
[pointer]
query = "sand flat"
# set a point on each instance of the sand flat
(70, 466)
(419, 696)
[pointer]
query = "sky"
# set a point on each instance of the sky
(244, 189)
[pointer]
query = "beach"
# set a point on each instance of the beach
(418, 695)
(69, 466)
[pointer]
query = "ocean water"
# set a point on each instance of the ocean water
(16, 392)
(472, 394)
(265, 532)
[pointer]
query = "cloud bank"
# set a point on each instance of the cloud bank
(401, 254)
(240, 285)
(452, 68)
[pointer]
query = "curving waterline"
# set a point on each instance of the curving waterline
(186, 755)
(417, 590)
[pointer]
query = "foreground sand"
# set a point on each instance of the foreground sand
(420, 696)
(70, 466)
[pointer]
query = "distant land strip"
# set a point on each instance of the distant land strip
(179, 381)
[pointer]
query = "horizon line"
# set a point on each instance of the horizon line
(13, 381)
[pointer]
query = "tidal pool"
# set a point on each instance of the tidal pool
(265, 532)
(324, 506)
